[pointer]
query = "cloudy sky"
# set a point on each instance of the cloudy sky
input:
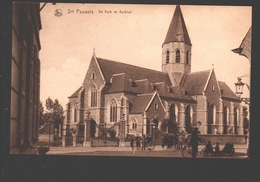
(136, 37)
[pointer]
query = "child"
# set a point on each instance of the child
(208, 149)
(217, 149)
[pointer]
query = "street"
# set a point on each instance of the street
(127, 151)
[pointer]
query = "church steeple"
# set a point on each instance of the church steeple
(177, 30)
(176, 49)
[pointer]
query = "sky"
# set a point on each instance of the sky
(135, 37)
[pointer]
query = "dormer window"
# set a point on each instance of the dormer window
(167, 56)
(132, 83)
(169, 89)
(178, 57)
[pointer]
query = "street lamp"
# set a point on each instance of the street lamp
(239, 90)
(239, 86)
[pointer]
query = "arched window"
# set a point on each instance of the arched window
(76, 110)
(178, 56)
(133, 124)
(188, 117)
(93, 96)
(225, 120)
(187, 57)
(113, 111)
(236, 116)
(92, 77)
(156, 106)
(211, 117)
(167, 56)
(123, 104)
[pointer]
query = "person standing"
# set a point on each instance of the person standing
(138, 141)
(164, 141)
(195, 142)
(217, 149)
(208, 149)
(133, 143)
(170, 141)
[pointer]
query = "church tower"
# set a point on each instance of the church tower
(176, 49)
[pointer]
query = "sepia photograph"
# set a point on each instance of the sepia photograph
(131, 80)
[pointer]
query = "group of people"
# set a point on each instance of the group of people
(139, 142)
(179, 139)
(175, 140)
(209, 149)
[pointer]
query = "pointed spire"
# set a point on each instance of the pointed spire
(177, 31)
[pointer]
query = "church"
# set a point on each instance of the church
(171, 100)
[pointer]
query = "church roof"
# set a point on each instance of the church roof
(245, 46)
(175, 92)
(194, 83)
(177, 30)
(75, 94)
(226, 92)
(140, 103)
(122, 83)
(110, 68)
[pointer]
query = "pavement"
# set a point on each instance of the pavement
(239, 149)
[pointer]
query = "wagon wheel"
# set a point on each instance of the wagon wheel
(232, 152)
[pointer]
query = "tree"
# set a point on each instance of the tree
(41, 110)
(54, 111)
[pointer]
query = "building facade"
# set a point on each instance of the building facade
(25, 78)
(172, 100)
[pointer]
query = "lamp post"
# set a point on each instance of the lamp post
(239, 86)
(239, 91)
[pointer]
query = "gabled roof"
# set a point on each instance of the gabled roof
(177, 27)
(227, 92)
(109, 68)
(75, 94)
(141, 103)
(194, 83)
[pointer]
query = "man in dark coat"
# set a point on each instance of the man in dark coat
(195, 142)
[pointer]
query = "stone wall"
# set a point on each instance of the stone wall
(223, 139)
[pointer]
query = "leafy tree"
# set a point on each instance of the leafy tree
(41, 110)
(54, 111)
